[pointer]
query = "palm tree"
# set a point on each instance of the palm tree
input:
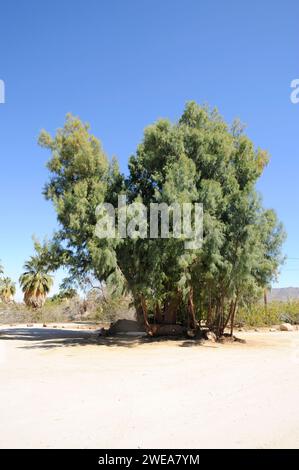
(7, 290)
(35, 283)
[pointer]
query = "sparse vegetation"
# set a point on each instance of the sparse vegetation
(276, 312)
(94, 308)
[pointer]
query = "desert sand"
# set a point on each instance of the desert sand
(60, 388)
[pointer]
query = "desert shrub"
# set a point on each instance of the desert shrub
(107, 308)
(276, 312)
(96, 307)
(15, 313)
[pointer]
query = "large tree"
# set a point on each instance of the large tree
(198, 159)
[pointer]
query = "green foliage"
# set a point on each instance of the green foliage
(63, 295)
(81, 175)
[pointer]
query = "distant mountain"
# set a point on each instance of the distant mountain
(283, 294)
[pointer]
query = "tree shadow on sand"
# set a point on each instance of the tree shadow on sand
(50, 338)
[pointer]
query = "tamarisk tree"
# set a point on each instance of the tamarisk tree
(199, 159)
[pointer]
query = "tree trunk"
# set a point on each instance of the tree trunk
(222, 313)
(231, 308)
(210, 311)
(266, 298)
(217, 319)
(233, 317)
(139, 312)
(170, 311)
(158, 314)
(145, 317)
(191, 311)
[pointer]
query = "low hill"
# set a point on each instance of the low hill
(283, 294)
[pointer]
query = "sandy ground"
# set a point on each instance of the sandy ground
(60, 389)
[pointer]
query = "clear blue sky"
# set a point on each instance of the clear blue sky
(120, 65)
